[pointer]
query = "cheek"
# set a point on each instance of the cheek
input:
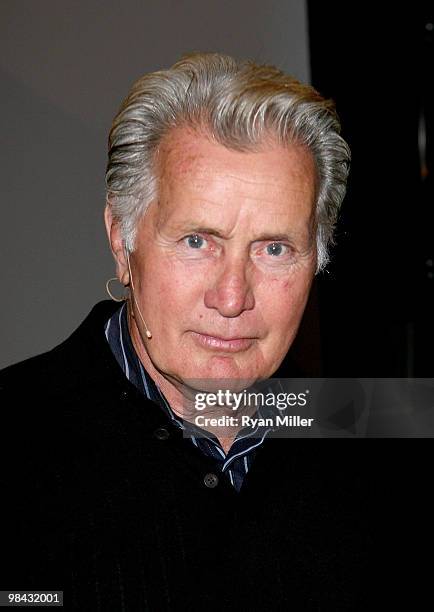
(283, 302)
(173, 289)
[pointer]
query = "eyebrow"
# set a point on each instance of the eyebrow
(265, 236)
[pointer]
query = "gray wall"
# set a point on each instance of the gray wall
(65, 67)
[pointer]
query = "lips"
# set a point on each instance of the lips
(231, 345)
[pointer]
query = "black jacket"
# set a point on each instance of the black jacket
(100, 503)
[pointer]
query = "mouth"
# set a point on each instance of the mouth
(229, 345)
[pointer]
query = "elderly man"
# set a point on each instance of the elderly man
(223, 184)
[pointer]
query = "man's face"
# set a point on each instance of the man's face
(223, 262)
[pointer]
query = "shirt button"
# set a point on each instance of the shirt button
(161, 433)
(210, 480)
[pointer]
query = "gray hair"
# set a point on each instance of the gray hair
(239, 104)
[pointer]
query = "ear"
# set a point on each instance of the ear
(117, 246)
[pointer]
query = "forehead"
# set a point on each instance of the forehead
(183, 151)
(198, 175)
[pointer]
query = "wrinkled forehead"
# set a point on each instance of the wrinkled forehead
(185, 148)
(205, 179)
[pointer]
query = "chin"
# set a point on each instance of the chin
(221, 372)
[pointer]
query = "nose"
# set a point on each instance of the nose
(230, 292)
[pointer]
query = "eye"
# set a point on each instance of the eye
(277, 249)
(194, 241)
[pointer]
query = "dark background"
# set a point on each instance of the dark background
(66, 66)
(376, 299)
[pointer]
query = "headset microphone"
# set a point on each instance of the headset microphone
(148, 333)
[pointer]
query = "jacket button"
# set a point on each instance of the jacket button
(210, 480)
(124, 395)
(161, 433)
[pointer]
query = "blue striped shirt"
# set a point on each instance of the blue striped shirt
(237, 462)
